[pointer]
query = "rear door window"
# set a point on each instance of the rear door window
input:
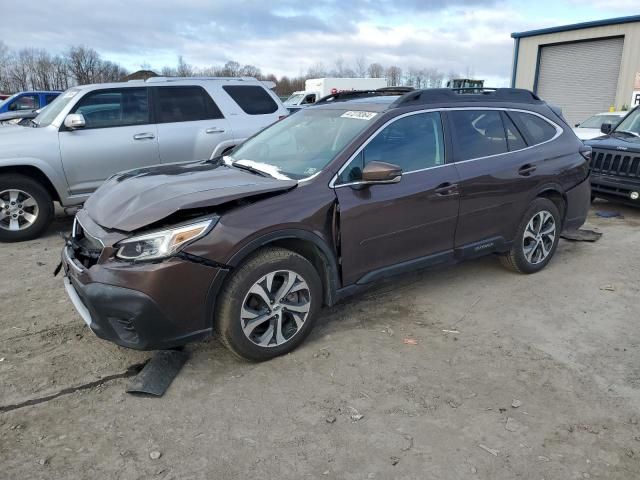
(114, 108)
(477, 133)
(184, 104)
(535, 129)
(252, 99)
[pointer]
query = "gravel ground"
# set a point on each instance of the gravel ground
(510, 377)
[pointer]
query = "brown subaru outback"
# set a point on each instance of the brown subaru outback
(318, 206)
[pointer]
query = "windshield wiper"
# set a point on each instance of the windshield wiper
(251, 169)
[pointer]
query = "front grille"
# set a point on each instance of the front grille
(617, 164)
(86, 248)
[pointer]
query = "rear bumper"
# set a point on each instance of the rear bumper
(161, 311)
(578, 203)
(615, 188)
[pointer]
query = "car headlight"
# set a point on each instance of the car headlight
(163, 243)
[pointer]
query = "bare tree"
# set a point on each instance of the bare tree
(183, 69)
(231, 69)
(375, 70)
(84, 64)
(394, 76)
(361, 66)
(317, 70)
(250, 71)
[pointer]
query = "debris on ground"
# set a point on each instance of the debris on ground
(394, 460)
(511, 425)
(492, 451)
(355, 415)
(322, 353)
(609, 288)
(330, 419)
(408, 443)
(450, 331)
(581, 235)
(516, 403)
(158, 373)
(608, 214)
(43, 461)
(410, 341)
(155, 455)
(542, 458)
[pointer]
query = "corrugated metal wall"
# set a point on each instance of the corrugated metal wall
(581, 78)
(629, 65)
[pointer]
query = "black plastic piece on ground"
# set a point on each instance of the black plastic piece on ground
(158, 373)
(581, 235)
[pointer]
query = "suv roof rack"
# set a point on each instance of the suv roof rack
(446, 95)
(180, 79)
(353, 94)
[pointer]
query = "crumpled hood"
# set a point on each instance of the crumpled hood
(137, 198)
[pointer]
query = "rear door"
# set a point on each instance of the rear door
(498, 174)
(190, 124)
(118, 135)
(413, 221)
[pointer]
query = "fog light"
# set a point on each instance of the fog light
(634, 195)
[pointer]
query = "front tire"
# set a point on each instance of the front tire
(537, 238)
(269, 305)
(26, 208)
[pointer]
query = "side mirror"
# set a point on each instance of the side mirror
(606, 128)
(381, 172)
(74, 121)
(577, 125)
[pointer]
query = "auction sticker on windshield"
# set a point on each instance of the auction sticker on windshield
(359, 115)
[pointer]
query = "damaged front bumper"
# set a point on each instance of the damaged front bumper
(145, 306)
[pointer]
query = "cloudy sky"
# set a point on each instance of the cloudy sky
(288, 36)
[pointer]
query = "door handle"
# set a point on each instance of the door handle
(526, 170)
(144, 136)
(447, 189)
(214, 130)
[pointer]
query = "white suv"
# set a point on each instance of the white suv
(93, 131)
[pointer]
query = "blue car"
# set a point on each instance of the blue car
(27, 101)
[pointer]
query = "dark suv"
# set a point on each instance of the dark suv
(615, 163)
(319, 206)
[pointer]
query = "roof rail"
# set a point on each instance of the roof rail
(446, 95)
(180, 79)
(353, 94)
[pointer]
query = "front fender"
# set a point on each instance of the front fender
(56, 177)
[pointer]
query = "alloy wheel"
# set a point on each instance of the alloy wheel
(275, 308)
(539, 237)
(18, 210)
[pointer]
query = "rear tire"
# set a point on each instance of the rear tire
(537, 238)
(269, 305)
(26, 208)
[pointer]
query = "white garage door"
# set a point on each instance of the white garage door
(580, 77)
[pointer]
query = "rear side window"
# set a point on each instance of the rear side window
(514, 137)
(478, 133)
(114, 108)
(184, 104)
(252, 99)
(413, 143)
(534, 128)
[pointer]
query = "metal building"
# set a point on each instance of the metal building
(584, 68)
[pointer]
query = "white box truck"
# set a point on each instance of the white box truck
(316, 88)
